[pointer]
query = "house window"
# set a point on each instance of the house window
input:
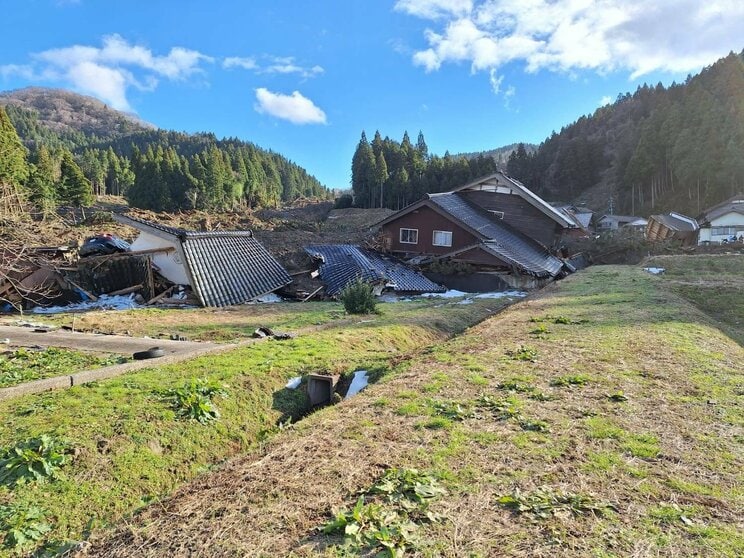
(442, 238)
(721, 231)
(497, 214)
(409, 236)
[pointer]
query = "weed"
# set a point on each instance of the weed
(388, 524)
(500, 409)
(617, 397)
(513, 385)
(358, 298)
(670, 513)
(643, 446)
(540, 331)
(24, 365)
(22, 525)
(523, 353)
(452, 410)
(35, 459)
(194, 400)
(533, 425)
(545, 502)
(572, 380)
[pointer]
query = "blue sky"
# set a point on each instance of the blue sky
(303, 77)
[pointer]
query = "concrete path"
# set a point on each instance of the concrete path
(176, 351)
(119, 344)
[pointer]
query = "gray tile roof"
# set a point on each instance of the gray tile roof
(501, 240)
(231, 267)
(731, 205)
(342, 263)
(226, 267)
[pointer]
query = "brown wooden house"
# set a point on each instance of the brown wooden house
(672, 226)
(494, 223)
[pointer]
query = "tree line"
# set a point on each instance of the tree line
(154, 169)
(387, 173)
(659, 149)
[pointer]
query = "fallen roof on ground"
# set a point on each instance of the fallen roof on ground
(341, 264)
(225, 267)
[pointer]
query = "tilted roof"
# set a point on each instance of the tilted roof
(226, 267)
(500, 239)
(342, 263)
(676, 222)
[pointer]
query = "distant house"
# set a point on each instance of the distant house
(637, 225)
(494, 223)
(722, 222)
(222, 267)
(581, 217)
(672, 226)
(614, 222)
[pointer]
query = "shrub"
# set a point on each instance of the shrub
(344, 201)
(358, 298)
(194, 400)
(22, 525)
(35, 459)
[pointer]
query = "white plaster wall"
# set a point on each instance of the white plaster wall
(729, 220)
(170, 264)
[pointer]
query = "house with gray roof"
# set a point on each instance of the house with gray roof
(221, 267)
(723, 222)
(494, 224)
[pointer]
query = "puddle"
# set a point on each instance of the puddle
(294, 383)
(654, 270)
(359, 382)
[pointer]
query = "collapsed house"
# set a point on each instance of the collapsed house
(494, 225)
(341, 264)
(672, 226)
(221, 267)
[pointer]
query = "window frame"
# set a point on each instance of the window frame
(400, 235)
(434, 238)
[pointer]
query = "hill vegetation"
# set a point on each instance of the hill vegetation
(658, 149)
(387, 173)
(74, 147)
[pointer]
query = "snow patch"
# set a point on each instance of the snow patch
(358, 383)
(294, 383)
(269, 298)
(104, 302)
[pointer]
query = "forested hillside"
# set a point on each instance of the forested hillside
(677, 148)
(68, 157)
(385, 173)
(500, 154)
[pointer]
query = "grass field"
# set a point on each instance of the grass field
(602, 418)
(121, 443)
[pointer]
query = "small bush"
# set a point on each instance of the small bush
(344, 201)
(36, 459)
(194, 400)
(22, 525)
(358, 298)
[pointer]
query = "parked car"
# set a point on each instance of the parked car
(102, 245)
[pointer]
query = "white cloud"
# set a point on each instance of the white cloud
(107, 72)
(496, 81)
(433, 9)
(273, 65)
(604, 101)
(238, 62)
(570, 35)
(294, 108)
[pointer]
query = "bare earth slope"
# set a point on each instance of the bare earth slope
(623, 395)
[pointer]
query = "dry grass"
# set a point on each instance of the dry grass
(668, 458)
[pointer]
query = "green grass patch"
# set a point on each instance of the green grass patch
(25, 365)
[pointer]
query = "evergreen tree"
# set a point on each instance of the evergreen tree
(74, 188)
(41, 180)
(13, 166)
